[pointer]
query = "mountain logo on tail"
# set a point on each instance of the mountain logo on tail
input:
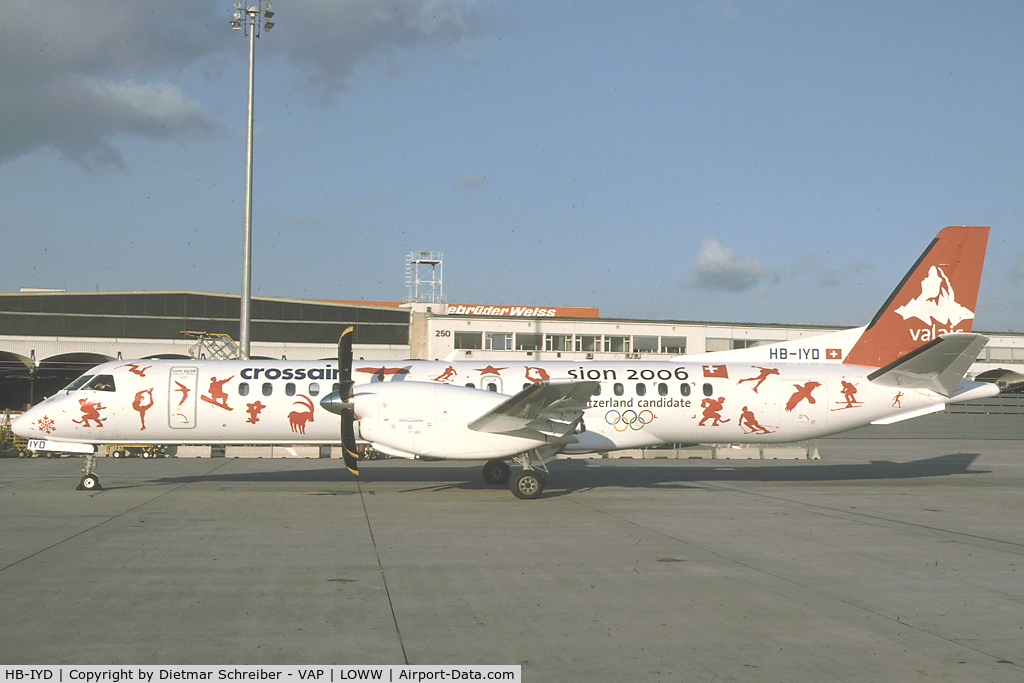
(935, 306)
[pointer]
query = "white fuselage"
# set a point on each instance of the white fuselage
(639, 404)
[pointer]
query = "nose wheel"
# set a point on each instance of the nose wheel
(90, 482)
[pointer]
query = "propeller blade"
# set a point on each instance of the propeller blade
(348, 413)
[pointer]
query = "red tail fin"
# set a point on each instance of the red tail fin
(937, 296)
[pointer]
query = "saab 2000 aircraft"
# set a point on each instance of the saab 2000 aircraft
(910, 360)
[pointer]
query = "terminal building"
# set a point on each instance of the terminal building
(47, 338)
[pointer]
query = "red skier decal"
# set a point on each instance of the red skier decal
(143, 402)
(299, 419)
(802, 393)
(849, 392)
(447, 376)
(760, 378)
(750, 425)
(218, 396)
(254, 410)
(712, 411)
(90, 413)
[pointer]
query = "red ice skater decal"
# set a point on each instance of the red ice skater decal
(536, 374)
(90, 413)
(135, 369)
(750, 425)
(896, 400)
(802, 393)
(760, 377)
(254, 410)
(298, 419)
(143, 402)
(447, 376)
(712, 411)
(217, 395)
(849, 392)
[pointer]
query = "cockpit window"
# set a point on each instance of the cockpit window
(78, 383)
(101, 383)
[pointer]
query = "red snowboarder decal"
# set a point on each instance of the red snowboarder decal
(218, 396)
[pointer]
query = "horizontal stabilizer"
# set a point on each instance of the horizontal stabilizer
(938, 365)
(548, 410)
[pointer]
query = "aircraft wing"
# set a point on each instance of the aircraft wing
(548, 410)
(938, 365)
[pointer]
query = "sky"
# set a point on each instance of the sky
(701, 160)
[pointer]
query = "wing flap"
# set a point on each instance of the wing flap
(938, 365)
(550, 410)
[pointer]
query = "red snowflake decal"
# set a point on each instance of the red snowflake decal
(47, 425)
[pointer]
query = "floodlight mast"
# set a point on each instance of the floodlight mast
(249, 20)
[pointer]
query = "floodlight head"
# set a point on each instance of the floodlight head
(238, 15)
(266, 6)
(238, 4)
(236, 25)
(268, 25)
(268, 14)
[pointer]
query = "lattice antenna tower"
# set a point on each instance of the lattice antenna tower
(423, 275)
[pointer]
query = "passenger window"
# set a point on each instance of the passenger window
(491, 386)
(470, 385)
(597, 390)
(709, 390)
(268, 388)
(243, 389)
(314, 388)
(101, 383)
(289, 389)
(684, 389)
(662, 389)
(641, 389)
(618, 388)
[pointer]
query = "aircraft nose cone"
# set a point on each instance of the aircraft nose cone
(23, 424)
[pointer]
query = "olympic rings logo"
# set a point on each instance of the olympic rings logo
(629, 419)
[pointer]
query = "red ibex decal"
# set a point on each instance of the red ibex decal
(298, 419)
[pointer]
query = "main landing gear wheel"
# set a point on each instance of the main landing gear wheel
(90, 482)
(527, 484)
(497, 472)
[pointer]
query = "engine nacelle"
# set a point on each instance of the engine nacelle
(430, 420)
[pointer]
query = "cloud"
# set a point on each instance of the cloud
(719, 268)
(75, 77)
(1017, 269)
(471, 180)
